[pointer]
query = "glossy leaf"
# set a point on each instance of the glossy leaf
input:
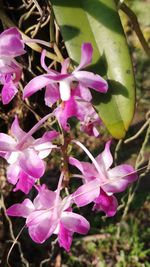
(98, 22)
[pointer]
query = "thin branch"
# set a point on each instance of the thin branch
(137, 29)
(38, 7)
(13, 239)
(138, 133)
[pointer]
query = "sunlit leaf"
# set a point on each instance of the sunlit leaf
(98, 22)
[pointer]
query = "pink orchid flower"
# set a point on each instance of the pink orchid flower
(76, 102)
(49, 214)
(25, 154)
(11, 46)
(82, 110)
(54, 92)
(101, 182)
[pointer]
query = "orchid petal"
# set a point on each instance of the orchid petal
(120, 177)
(7, 143)
(86, 193)
(45, 199)
(65, 66)
(11, 44)
(75, 222)
(91, 80)
(65, 111)
(41, 226)
(11, 157)
(86, 168)
(106, 203)
(43, 145)
(37, 216)
(16, 130)
(51, 94)
(50, 71)
(31, 163)
(43, 148)
(9, 90)
(41, 81)
(25, 182)
(85, 93)
(23, 209)
(88, 117)
(64, 238)
(105, 159)
(5, 68)
(50, 135)
(13, 173)
(86, 56)
(67, 202)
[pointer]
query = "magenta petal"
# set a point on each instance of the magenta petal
(65, 238)
(35, 85)
(65, 111)
(40, 226)
(76, 163)
(11, 44)
(50, 135)
(84, 109)
(7, 139)
(86, 56)
(85, 93)
(120, 177)
(41, 81)
(43, 145)
(15, 175)
(105, 159)
(86, 193)
(50, 71)
(46, 138)
(7, 143)
(51, 94)
(65, 66)
(13, 171)
(25, 182)
(43, 148)
(106, 203)
(86, 168)
(31, 163)
(45, 199)
(88, 117)
(9, 90)
(21, 210)
(16, 130)
(38, 216)
(91, 80)
(75, 222)
(5, 69)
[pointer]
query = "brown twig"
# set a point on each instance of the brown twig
(136, 27)
(145, 125)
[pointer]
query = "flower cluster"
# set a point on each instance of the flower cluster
(68, 95)
(11, 46)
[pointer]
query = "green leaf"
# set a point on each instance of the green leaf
(98, 22)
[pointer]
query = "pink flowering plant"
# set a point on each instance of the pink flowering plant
(68, 95)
